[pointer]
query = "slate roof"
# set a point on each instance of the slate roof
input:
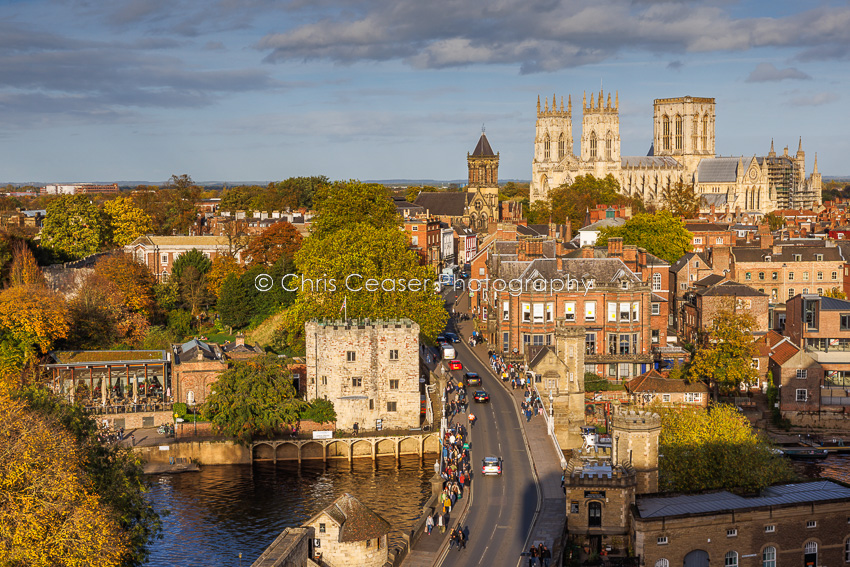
(649, 161)
(786, 254)
(713, 502)
(833, 304)
(716, 199)
(450, 204)
(600, 224)
(730, 288)
(683, 261)
(602, 252)
(483, 147)
(356, 521)
(709, 280)
(654, 381)
(541, 354)
(718, 170)
(188, 351)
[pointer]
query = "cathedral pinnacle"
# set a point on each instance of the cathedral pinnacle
(538, 104)
(562, 103)
(545, 105)
(772, 152)
(554, 102)
(600, 99)
(815, 168)
(608, 105)
(584, 100)
(616, 100)
(800, 146)
(570, 104)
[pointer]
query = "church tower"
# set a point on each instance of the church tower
(683, 127)
(483, 184)
(553, 142)
(600, 133)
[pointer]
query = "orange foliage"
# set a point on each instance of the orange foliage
(129, 282)
(222, 266)
(24, 269)
(33, 315)
(48, 515)
(279, 240)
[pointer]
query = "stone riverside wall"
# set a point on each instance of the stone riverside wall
(290, 549)
(202, 452)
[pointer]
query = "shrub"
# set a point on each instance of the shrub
(180, 409)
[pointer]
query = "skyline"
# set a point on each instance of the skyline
(371, 89)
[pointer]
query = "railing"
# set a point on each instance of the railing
(128, 408)
(550, 427)
(835, 400)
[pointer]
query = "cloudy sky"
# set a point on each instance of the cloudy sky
(237, 90)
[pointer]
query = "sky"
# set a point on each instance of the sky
(263, 90)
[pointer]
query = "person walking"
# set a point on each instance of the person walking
(545, 556)
(532, 557)
(472, 420)
(429, 524)
(452, 538)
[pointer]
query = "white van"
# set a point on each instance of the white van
(449, 352)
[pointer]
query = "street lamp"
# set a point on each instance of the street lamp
(551, 413)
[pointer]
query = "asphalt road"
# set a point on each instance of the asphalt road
(502, 507)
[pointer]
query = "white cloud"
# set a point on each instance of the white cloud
(768, 72)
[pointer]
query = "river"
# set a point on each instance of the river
(223, 510)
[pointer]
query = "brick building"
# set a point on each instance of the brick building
(713, 295)
(368, 369)
(196, 366)
(158, 253)
(424, 235)
(653, 387)
(707, 235)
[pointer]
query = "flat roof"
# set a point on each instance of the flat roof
(798, 493)
(93, 357)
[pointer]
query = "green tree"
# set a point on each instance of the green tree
(193, 257)
(181, 195)
(252, 399)
(835, 293)
(74, 227)
(263, 304)
(233, 305)
(127, 221)
(320, 410)
(724, 358)
(586, 192)
(660, 234)
(715, 448)
(236, 199)
(540, 212)
(346, 204)
(774, 221)
(682, 200)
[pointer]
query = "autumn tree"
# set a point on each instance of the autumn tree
(182, 195)
(279, 240)
(774, 221)
(659, 233)
(724, 357)
(573, 200)
(74, 227)
(127, 221)
(221, 267)
(715, 448)
(233, 306)
(681, 199)
(236, 199)
(24, 270)
(357, 234)
(254, 398)
(835, 293)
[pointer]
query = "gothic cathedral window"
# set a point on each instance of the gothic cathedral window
(609, 142)
(665, 129)
(694, 133)
(593, 145)
(561, 150)
(678, 131)
(705, 132)
(546, 148)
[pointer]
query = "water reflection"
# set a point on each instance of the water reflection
(224, 510)
(835, 466)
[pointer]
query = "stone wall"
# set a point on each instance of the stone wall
(202, 452)
(135, 420)
(290, 549)
(68, 277)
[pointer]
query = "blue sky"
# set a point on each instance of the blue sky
(262, 90)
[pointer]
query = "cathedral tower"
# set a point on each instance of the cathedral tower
(483, 185)
(634, 440)
(553, 142)
(600, 132)
(684, 128)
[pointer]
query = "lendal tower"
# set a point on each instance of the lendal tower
(635, 444)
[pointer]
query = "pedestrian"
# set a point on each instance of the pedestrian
(461, 538)
(472, 420)
(356, 428)
(440, 523)
(545, 556)
(133, 439)
(532, 559)
(452, 538)
(429, 524)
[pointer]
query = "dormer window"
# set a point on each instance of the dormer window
(818, 257)
(624, 284)
(767, 258)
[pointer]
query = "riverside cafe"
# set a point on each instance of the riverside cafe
(112, 381)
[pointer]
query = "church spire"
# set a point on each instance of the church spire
(772, 152)
(815, 168)
(570, 104)
(800, 146)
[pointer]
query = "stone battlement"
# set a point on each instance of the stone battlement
(364, 323)
(633, 420)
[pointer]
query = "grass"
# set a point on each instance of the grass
(264, 332)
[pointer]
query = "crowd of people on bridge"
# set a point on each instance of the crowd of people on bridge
(518, 376)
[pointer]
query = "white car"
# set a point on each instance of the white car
(491, 465)
(449, 352)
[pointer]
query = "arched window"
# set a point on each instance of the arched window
(665, 132)
(768, 557)
(694, 133)
(678, 131)
(810, 554)
(593, 145)
(546, 148)
(561, 147)
(705, 132)
(594, 514)
(847, 550)
(609, 142)
(731, 559)
(656, 282)
(662, 563)
(190, 397)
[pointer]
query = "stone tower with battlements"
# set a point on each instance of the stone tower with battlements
(600, 133)
(553, 139)
(634, 437)
(568, 397)
(683, 127)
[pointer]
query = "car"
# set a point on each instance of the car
(472, 379)
(481, 396)
(491, 465)
(448, 352)
(441, 339)
(455, 365)
(451, 337)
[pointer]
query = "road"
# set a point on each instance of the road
(502, 508)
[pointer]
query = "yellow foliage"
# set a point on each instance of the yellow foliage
(48, 516)
(33, 315)
(128, 221)
(24, 269)
(222, 266)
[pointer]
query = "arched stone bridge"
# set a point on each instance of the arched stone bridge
(345, 448)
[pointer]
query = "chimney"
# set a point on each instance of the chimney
(615, 247)
(630, 256)
(200, 355)
(765, 238)
(713, 210)
(587, 251)
(240, 340)
(749, 236)
(721, 257)
(641, 259)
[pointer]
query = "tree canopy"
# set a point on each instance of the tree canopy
(586, 192)
(724, 357)
(233, 305)
(254, 398)
(659, 233)
(275, 242)
(715, 448)
(319, 410)
(682, 200)
(74, 227)
(127, 221)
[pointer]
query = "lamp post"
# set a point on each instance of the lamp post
(551, 413)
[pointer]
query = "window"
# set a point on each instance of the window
(394, 384)
(624, 312)
(697, 240)
(593, 145)
(656, 309)
(590, 343)
(731, 559)
(811, 524)
(774, 276)
(546, 148)
(820, 291)
(768, 557)
(537, 340)
(590, 311)
(635, 310)
(393, 355)
(748, 276)
(798, 257)
(756, 363)
(322, 528)
(624, 344)
(414, 240)
(665, 398)
(526, 313)
(805, 291)
(769, 529)
(835, 275)
(351, 356)
(324, 380)
(656, 282)
(656, 336)
(810, 553)
(612, 344)
(506, 342)
(704, 135)
(506, 310)
(163, 259)
(845, 321)
(790, 276)
(368, 543)
(718, 240)
(570, 311)
(665, 129)
(561, 147)
(694, 398)
(661, 540)
(805, 276)
(802, 395)
(818, 257)
(539, 312)
(802, 373)
(371, 404)
(550, 311)
(624, 284)
(820, 276)
(662, 563)
(790, 292)
(624, 370)
(594, 514)
(761, 275)
(847, 550)
(678, 132)
(609, 142)
(612, 312)
(391, 406)
(357, 381)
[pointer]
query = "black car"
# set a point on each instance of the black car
(441, 339)
(471, 379)
(481, 396)
(452, 337)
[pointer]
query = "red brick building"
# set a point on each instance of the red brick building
(712, 295)
(423, 233)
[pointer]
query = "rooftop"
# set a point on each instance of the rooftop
(75, 357)
(356, 521)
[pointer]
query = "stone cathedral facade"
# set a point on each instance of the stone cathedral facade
(682, 150)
